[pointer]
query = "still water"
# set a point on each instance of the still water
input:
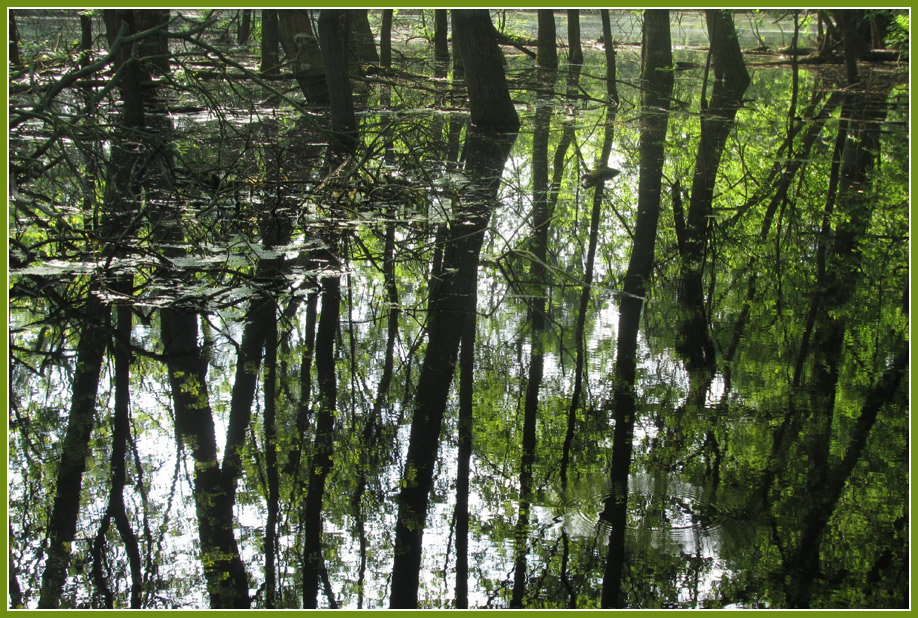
(782, 460)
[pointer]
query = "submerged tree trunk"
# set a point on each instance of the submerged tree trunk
(657, 84)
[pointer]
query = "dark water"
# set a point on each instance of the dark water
(772, 474)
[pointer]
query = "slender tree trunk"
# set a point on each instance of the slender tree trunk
(85, 39)
(575, 50)
(14, 58)
(245, 27)
(441, 36)
(657, 85)
(464, 455)
(385, 39)
(270, 54)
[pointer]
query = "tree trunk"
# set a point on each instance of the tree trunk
(385, 39)
(657, 85)
(301, 47)
(14, 59)
(489, 98)
(547, 54)
(245, 27)
(333, 30)
(270, 55)
(575, 50)
(441, 36)
(363, 45)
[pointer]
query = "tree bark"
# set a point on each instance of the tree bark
(489, 98)
(441, 36)
(296, 36)
(361, 36)
(547, 52)
(385, 39)
(245, 27)
(333, 30)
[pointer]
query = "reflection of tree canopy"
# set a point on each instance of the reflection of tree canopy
(241, 278)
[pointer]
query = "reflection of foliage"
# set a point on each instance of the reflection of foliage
(232, 165)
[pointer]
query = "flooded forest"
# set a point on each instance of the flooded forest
(469, 308)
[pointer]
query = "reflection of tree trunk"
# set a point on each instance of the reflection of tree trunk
(865, 112)
(486, 157)
(731, 80)
(313, 563)
(120, 436)
(75, 447)
(227, 583)
(464, 455)
(271, 471)
(538, 309)
(333, 28)
(602, 161)
(657, 82)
